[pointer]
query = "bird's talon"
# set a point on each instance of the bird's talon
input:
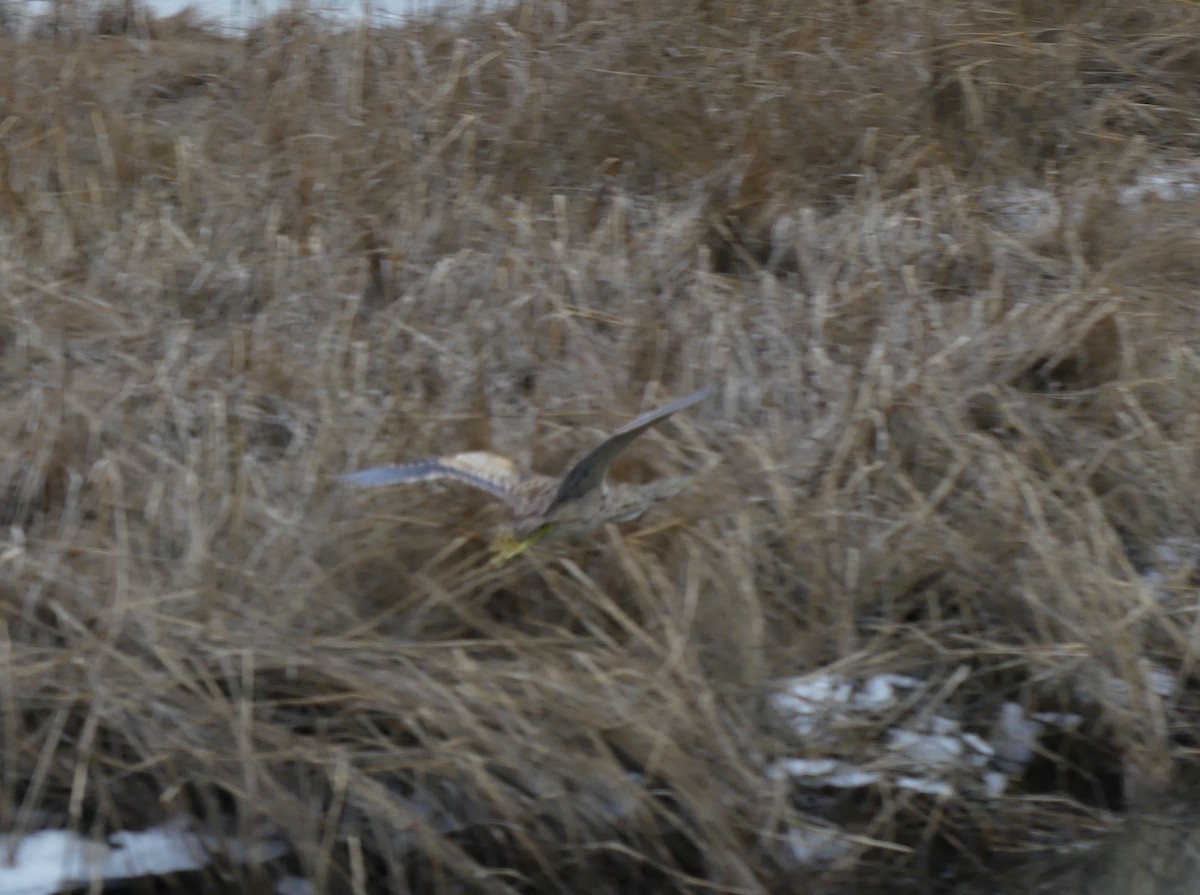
(509, 549)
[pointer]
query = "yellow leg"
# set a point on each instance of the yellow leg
(510, 548)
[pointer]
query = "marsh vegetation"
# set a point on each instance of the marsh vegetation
(940, 260)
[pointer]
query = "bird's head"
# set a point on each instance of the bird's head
(617, 503)
(627, 502)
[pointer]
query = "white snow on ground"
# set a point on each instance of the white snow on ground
(1164, 181)
(931, 754)
(239, 15)
(814, 704)
(47, 861)
(1032, 210)
(816, 845)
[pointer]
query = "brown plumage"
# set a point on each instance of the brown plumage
(543, 506)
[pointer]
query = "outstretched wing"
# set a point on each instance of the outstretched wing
(489, 472)
(589, 472)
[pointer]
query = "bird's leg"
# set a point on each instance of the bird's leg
(510, 548)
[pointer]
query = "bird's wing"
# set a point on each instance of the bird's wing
(489, 472)
(589, 472)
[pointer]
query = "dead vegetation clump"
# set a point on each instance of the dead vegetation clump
(939, 261)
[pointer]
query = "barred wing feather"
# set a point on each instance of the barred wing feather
(588, 474)
(489, 472)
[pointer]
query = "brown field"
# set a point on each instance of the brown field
(940, 260)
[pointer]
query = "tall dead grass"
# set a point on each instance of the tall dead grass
(957, 416)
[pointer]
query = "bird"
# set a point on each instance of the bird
(547, 507)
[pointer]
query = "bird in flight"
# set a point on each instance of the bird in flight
(568, 506)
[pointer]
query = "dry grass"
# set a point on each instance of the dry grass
(952, 432)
